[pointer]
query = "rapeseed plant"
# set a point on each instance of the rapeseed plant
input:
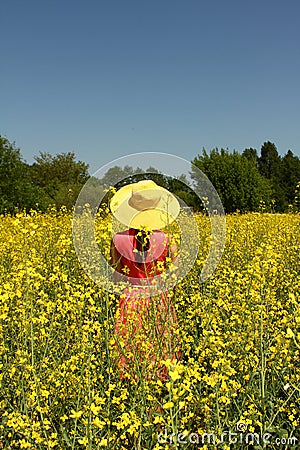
(239, 335)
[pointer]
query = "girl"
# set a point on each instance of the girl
(145, 329)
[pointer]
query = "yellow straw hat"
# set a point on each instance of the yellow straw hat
(144, 205)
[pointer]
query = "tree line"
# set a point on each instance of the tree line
(245, 181)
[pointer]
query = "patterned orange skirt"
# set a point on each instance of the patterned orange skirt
(146, 334)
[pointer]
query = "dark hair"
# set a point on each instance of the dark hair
(142, 240)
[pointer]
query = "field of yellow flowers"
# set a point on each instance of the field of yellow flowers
(239, 332)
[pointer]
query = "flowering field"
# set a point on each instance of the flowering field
(239, 368)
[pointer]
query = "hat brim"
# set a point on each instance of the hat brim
(159, 217)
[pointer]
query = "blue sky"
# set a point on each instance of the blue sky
(109, 78)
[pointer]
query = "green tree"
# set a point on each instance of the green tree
(281, 173)
(235, 178)
(289, 176)
(269, 161)
(128, 175)
(251, 155)
(16, 189)
(92, 194)
(59, 177)
(116, 175)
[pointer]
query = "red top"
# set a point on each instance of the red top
(137, 264)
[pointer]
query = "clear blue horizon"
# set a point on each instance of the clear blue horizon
(107, 79)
